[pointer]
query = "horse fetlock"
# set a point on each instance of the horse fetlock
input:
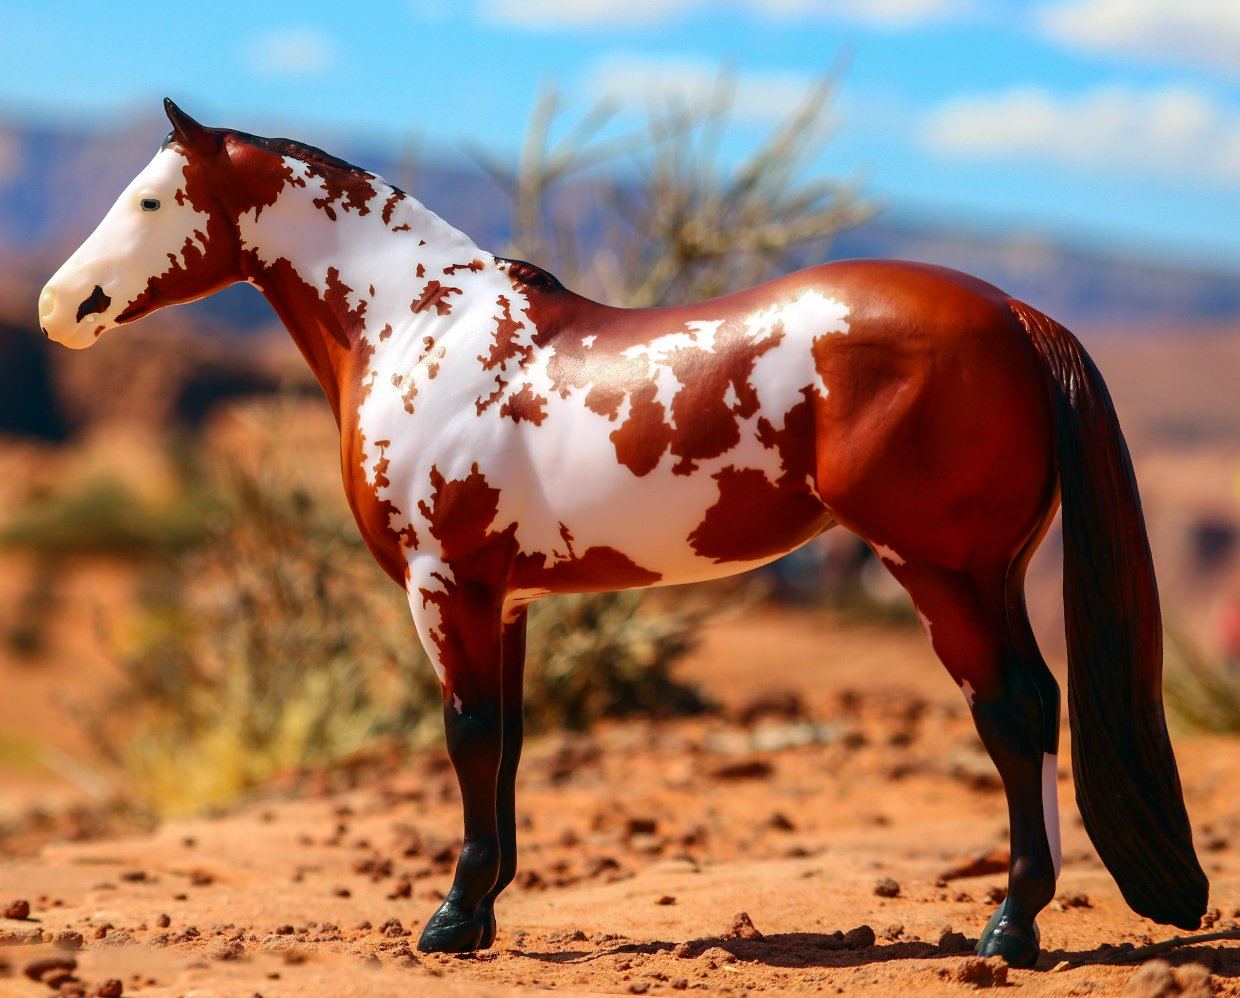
(480, 856)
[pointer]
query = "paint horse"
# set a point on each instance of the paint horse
(503, 438)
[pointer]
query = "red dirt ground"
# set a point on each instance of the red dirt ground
(640, 844)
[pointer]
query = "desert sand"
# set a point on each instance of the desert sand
(841, 802)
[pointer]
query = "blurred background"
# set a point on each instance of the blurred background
(178, 631)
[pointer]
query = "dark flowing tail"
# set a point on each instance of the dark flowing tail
(1127, 785)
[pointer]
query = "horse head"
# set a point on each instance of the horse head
(170, 237)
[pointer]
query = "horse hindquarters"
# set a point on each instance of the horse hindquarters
(938, 452)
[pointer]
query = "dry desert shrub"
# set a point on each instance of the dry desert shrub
(276, 646)
(1203, 690)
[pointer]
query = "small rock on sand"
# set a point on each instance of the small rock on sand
(744, 769)
(69, 939)
(988, 972)
(862, 937)
(742, 927)
(887, 888)
(1156, 979)
(36, 970)
(951, 941)
(1152, 980)
(1194, 980)
(980, 864)
(17, 909)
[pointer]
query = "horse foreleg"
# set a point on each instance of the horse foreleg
(979, 629)
(506, 790)
(460, 629)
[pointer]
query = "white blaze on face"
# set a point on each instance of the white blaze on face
(142, 236)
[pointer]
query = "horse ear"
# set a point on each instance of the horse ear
(190, 133)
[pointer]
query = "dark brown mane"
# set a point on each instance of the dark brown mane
(311, 155)
(529, 274)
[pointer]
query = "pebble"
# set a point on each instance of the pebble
(951, 941)
(988, 972)
(742, 927)
(36, 970)
(69, 939)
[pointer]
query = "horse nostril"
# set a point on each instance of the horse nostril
(47, 303)
(94, 305)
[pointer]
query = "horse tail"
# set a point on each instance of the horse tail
(1127, 786)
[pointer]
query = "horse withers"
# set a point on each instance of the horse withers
(503, 439)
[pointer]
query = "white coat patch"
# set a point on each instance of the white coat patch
(1050, 808)
(888, 555)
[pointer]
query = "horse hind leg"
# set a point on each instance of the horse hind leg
(977, 625)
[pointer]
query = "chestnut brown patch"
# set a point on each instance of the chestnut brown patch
(754, 518)
(348, 190)
(336, 297)
(598, 569)
(434, 295)
(389, 206)
(504, 343)
(525, 405)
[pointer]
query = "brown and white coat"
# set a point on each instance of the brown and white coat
(503, 438)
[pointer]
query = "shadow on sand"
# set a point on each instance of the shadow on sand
(810, 949)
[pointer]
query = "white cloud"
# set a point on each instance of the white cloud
(1175, 132)
(577, 14)
(551, 14)
(1196, 32)
(292, 52)
(879, 13)
(759, 96)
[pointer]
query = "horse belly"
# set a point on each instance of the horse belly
(682, 520)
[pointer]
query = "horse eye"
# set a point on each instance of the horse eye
(149, 204)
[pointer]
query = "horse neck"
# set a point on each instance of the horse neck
(340, 271)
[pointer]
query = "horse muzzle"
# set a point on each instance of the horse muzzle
(74, 318)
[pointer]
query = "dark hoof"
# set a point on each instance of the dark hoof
(1003, 937)
(486, 915)
(451, 930)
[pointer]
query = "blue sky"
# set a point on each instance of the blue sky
(1115, 123)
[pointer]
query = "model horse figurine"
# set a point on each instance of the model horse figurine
(503, 438)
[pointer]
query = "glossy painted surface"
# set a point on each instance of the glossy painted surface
(503, 438)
